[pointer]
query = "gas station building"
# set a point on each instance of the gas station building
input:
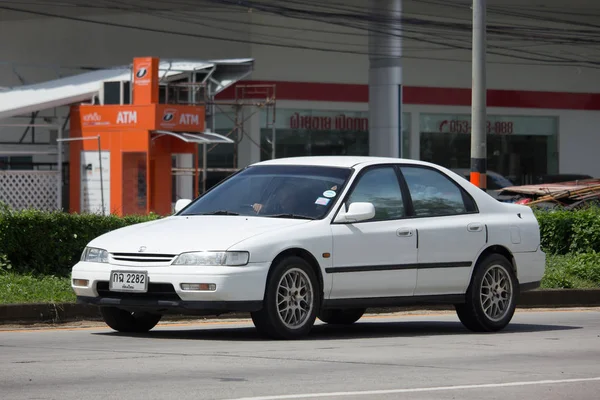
(269, 93)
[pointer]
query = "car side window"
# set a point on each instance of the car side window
(380, 186)
(433, 194)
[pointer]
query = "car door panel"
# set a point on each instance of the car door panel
(378, 257)
(448, 247)
(372, 260)
(451, 233)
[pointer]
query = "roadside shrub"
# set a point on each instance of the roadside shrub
(50, 243)
(556, 229)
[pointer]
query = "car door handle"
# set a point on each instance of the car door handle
(405, 232)
(475, 227)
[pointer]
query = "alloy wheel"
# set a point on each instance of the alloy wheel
(496, 293)
(294, 298)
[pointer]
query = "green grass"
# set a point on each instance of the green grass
(16, 288)
(573, 271)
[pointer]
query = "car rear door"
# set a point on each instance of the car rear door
(450, 231)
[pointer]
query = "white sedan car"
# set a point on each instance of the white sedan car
(292, 240)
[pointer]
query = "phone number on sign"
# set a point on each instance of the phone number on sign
(499, 127)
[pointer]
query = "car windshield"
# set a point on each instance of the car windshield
(276, 191)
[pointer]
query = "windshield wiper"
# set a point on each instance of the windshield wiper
(295, 216)
(220, 212)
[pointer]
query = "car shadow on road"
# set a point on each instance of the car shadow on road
(359, 330)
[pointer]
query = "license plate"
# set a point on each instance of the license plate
(127, 281)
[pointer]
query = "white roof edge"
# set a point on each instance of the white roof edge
(339, 161)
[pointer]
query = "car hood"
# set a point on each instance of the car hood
(178, 234)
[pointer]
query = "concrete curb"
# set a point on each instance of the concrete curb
(68, 312)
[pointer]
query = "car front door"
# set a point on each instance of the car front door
(450, 231)
(377, 257)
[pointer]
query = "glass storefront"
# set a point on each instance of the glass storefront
(518, 147)
(321, 132)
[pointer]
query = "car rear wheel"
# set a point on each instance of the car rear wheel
(492, 296)
(129, 322)
(291, 300)
(341, 317)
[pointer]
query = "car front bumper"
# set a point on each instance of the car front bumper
(237, 288)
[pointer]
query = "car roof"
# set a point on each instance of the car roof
(339, 161)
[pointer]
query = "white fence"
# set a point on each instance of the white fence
(29, 189)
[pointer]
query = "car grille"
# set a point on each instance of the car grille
(156, 291)
(139, 259)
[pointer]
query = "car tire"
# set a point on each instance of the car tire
(292, 299)
(129, 322)
(492, 296)
(341, 317)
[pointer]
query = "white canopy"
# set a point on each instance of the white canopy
(83, 87)
(200, 138)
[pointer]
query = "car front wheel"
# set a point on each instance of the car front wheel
(291, 300)
(129, 322)
(492, 296)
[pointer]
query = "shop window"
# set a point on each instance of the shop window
(380, 186)
(322, 132)
(434, 195)
(519, 148)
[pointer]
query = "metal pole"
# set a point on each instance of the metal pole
(213, 129)
(101, 175)
(196, 192)
(385, 78)
(204, 163)
(478, 97)
(273, 134)
(59, 199)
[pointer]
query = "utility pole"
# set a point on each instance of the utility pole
(478, 97)
(385, 79)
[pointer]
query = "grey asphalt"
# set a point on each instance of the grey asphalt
(411, 356)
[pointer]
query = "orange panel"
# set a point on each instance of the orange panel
(161, 184)
(134, 185)
(149, 117)
(145, 80)
(111, 117)
(140, 169)
(180, 118)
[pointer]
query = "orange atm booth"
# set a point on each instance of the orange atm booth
(121, 161)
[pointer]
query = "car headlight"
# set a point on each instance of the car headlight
(210, 258)
(92, 254)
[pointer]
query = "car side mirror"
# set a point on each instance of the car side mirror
(181, 204)
(356, 212)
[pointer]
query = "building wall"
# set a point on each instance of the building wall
(577, 137)
(59, 42)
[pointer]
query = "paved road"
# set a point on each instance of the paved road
(542, 355)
